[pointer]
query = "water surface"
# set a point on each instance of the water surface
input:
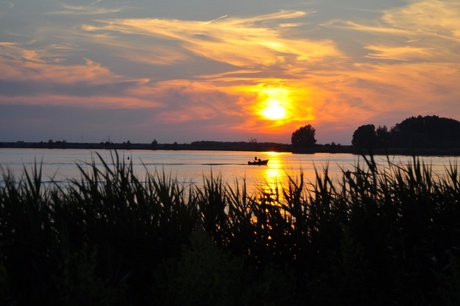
(190, 167)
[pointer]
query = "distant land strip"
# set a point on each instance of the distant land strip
(233, 146)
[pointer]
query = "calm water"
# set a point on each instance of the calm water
(193, 166)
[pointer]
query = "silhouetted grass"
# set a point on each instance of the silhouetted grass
(379, 235)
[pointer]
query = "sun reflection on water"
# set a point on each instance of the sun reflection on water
(273, 176)
(281, 170)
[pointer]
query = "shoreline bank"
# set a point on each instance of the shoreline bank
(232, 146)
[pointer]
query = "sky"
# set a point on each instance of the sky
(184, 71)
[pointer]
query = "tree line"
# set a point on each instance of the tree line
(413, 132)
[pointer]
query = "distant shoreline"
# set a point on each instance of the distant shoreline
(231, 146)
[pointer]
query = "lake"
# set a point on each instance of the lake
(192, 166)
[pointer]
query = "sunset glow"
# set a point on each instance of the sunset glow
(274, 110)
(274, 102)
(232, 71)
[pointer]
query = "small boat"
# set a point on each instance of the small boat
(258, 162)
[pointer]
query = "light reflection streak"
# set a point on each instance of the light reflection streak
(274, 178)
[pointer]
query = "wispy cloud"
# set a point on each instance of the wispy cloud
(428, 29)
(435, 18)
(402, 53)
(29, 64)
(92, 9)
(242, 42)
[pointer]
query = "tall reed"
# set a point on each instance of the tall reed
(380, 234)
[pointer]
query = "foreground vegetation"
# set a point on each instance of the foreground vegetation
(381, 235)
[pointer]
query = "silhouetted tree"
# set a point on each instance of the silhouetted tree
(304, 137)
(428, 132)
(413, 132)
(382, 136)
(364, 137)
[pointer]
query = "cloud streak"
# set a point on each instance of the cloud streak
(89, 10)
(241, 42)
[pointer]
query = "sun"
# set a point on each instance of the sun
(274, 110)
(273, 103)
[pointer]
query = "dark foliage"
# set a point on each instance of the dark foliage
(428, 131)
(414, 132)
(365, 137)
(304, 137)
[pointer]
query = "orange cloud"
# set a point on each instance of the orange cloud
(29, 64)
(242, 42)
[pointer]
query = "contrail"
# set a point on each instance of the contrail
(221, 17)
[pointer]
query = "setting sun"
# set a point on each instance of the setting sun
(273, 103)
(274, 110)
